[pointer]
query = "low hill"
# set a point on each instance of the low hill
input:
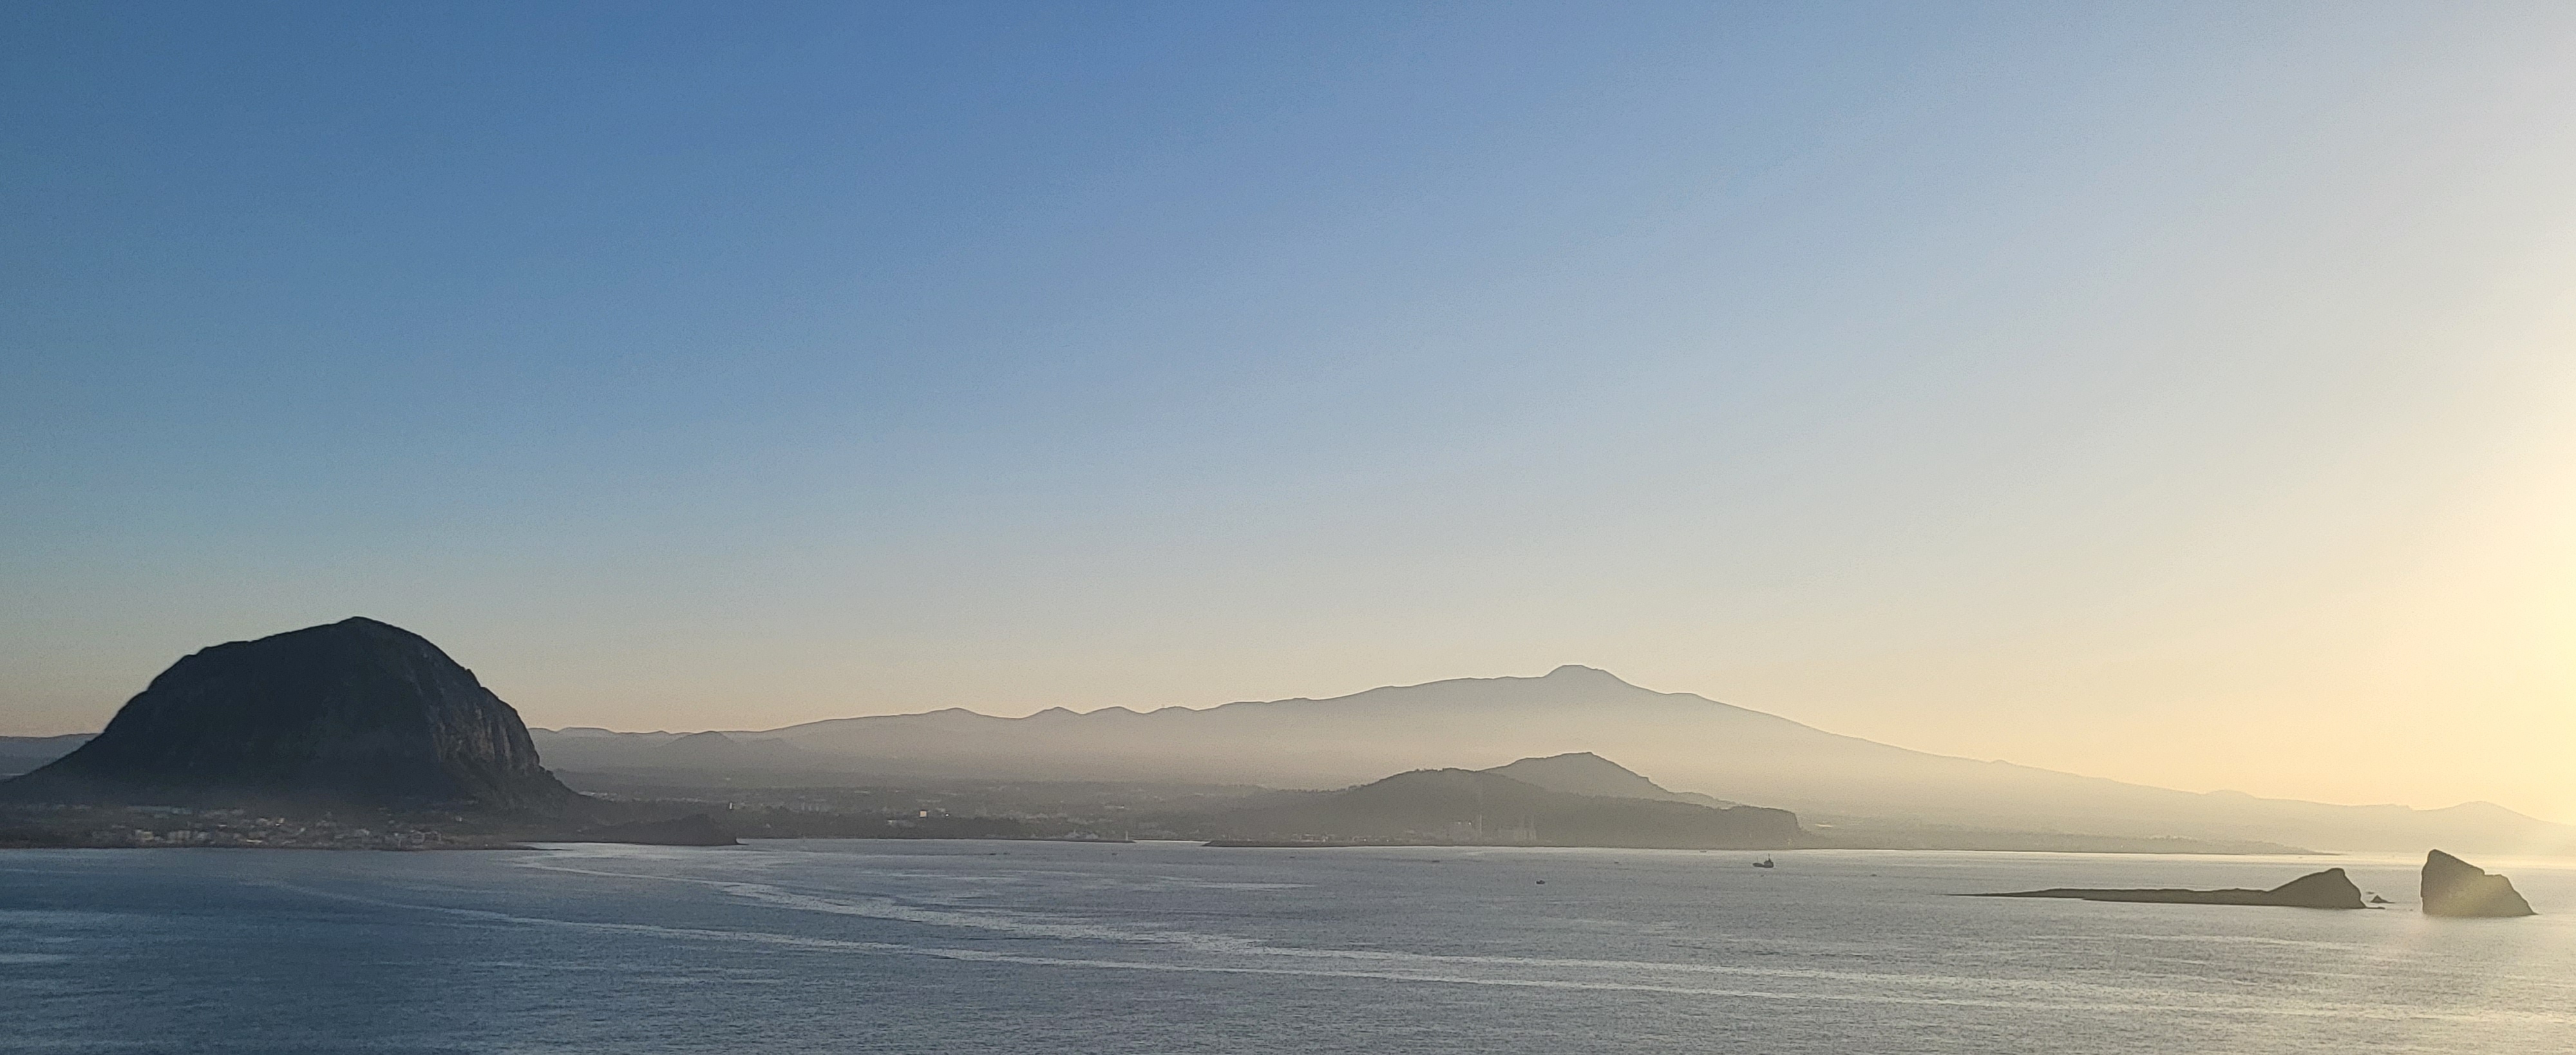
(1462, 806)
(1585, 773)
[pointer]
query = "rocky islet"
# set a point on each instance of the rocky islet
(2453, 887)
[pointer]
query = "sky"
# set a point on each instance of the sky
(2178, 393)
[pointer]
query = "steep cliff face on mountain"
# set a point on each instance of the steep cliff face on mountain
(356, 711)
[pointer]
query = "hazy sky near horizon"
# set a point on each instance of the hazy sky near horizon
(2177, 393)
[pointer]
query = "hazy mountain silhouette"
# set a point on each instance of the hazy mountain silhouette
(718, 751)
(1688, 742)
(1585, 773)
(18, 754)
(1457, 805)
(600, 750)
(355, 711)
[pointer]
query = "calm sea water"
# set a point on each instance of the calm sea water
(1064, 948)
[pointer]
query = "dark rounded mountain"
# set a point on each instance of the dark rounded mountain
(357, 711)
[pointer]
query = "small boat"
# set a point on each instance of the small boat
(1765, 863)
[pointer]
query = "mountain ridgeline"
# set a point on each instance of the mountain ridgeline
(1854, 790)
(355, 712)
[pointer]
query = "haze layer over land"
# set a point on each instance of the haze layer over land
(1867, 793)
(2166, 393)
(362, 714)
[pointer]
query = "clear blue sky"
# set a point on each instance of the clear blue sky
(2076, 384)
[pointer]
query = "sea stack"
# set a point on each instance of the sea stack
(356, 712)
(2453, 887)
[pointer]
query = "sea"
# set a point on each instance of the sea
(1061, 948)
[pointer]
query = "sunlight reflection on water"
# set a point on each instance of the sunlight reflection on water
(1057, 948)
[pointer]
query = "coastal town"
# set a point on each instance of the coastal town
(127, 827)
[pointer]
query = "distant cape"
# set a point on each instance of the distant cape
(2327, 889)
(356, 711)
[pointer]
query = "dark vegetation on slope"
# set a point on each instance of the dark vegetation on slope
(356, 712)
(356, 734)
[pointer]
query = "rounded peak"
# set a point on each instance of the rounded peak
(370, 640)
(356, 628)
(362, 623)
(1579, 672)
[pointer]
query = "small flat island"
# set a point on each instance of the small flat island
(2327, 889)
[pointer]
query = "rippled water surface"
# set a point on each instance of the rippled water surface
(1064, 948)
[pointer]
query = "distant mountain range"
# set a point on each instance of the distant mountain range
(1862, 790)
(1848, 790)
